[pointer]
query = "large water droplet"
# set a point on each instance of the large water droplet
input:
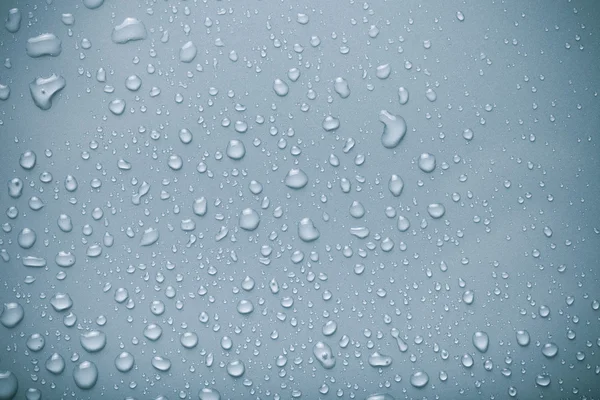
(236, 368)
(394, 129)
(419, 379)
(93, 341)
(307, 230)
(188, 52)
(130, 29)
(46, 44)
(124, 362)
(324, 355)
(9, 385)
(43, 90)
(296, 179)
(12, 314)
(85, 375)
(481, 341)
(13, 21)
(55, 364)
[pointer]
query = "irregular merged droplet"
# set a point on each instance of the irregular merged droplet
(43, 90)
(394, 129)
(85, 375)
(46, 44)
(129, 30)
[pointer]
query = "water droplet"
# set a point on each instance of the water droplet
(149, 237)
(12, 314)
(331, 123)
(280, 87)
(430, 94)
(9, 385)
(189, 340)
(61, 302)
(419, 379)
(542, 380)
(35, 342)
(403, 223)
(133, 82)
(307, 230)
(341, 87)
(436, 210)
(55, 364)
(188, 52)
(468, 134)
(467, 361)
(394, 129)
(93, 4)
(380, 396)
(85, 375)
(117, 106)
(130, 29)
(43, 90)
(65, 259)
(13, 20)
(402, 95)
(200, 206)
(93, 341)
(383, 71)
(161, 363)
(396, 185)
(249, 219)
(324, 355)
(236, 368)
(27, 160)
(26, 238)
(235, 149)
(523, 338)
(550, 350)
(468, 297)
(427, 162)
(379, 360)
(46, 44)
(245, 307)
(124, 362)
(481, 341)
(296, 179)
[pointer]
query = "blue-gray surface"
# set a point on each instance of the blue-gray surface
(274, 200)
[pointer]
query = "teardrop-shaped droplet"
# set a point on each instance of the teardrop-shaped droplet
(481, 341)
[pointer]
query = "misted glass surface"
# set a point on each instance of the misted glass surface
(256, 199)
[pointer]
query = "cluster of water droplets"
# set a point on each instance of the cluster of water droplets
(233, 202)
